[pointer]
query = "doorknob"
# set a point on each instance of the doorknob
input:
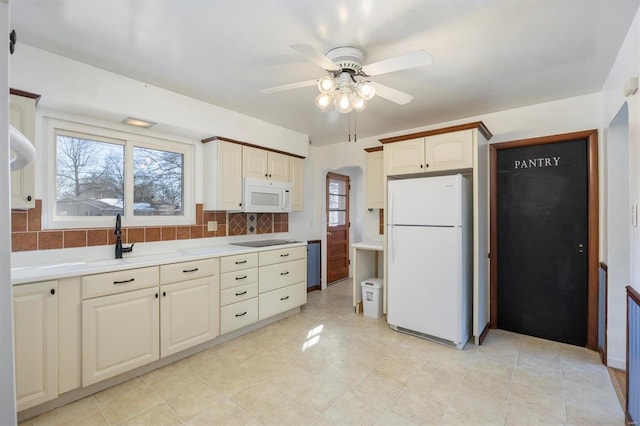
(328, 233)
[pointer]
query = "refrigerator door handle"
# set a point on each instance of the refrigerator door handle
(393, 244)
(390, 218)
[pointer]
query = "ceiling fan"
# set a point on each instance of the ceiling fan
(347, 85)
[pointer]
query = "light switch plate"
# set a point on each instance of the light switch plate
(212, 225)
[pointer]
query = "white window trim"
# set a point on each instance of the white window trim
(50, 221)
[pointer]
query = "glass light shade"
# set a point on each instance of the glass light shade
(343, 102)
(358, 103)
(323, 101)
(326, 84)
(366, 89)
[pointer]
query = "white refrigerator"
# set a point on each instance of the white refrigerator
(429, 275)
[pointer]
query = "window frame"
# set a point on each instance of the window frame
(128, 139)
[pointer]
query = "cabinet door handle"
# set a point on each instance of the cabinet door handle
(427, 165)
(240, 262)
(29, 198)
(164, 294)
(242, 314)
(266, 175)
(284, 273)
(130, 280)
(244, 277)
(284, 298)
(53, 291)
(284, 255)
(421, 166)
(156, 295)
(241, 293)
(189, 270)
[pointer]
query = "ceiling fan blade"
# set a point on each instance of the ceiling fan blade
(393, 95)
(289, 86)
(413, 59)
(314, 56)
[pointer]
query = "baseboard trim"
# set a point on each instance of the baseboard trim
(484, 334)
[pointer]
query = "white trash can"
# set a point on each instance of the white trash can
(372, 297)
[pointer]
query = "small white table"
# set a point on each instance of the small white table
(366, 264)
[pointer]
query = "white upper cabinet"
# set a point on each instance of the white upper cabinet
(22, 116)
(297, 183)
(262, 164)
(222, 175)
(375, 180)
(447, 151)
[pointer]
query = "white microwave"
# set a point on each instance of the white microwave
(265, 196)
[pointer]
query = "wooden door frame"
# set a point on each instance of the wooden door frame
(592, 217)
(338, 176)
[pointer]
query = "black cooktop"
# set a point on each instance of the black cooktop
(263, 243)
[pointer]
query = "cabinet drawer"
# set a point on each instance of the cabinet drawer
(118, 282)
(234, 279)
(188, 270)
(282, 255)
(282, 299)
(280, 275)
(238, 262)
(238, 315)
(237, 294)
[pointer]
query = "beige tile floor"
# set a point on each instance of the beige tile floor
(330, 366)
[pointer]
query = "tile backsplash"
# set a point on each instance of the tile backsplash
(27, 233)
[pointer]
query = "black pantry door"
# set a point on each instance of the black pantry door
(542, 208)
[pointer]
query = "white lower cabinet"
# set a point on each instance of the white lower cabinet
(281, 300)
(35, 316)
(119, 332)
(238, 315)
(188, 314)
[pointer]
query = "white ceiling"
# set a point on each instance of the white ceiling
(488, 55)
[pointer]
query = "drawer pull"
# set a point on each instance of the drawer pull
(284, 255)
(130, 280)
(189, 270)
(241, 293)
(242, 314)
(284, 273)
(240, 262)
(284, 298)
(244, 277)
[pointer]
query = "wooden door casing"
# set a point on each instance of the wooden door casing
(593, 217)
(337, 234)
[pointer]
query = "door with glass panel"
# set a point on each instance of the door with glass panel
(337, 227)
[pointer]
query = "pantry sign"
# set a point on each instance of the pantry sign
(533, 163)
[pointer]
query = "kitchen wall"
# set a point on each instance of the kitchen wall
(28, 234)
(627, 65)
(7, 387)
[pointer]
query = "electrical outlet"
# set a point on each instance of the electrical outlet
(212, 225)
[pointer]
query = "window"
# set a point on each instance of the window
(98, 173)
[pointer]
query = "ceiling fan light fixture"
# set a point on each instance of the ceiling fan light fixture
(323, 101)
(366, 89)
(359, 103)
(343, 102)
(327, 84)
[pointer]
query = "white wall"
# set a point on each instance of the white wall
(7, 387)
(627, 65)
(74, 87)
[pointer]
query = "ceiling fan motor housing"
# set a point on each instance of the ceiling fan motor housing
(350, 59)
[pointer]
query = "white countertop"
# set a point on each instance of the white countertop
(373, 245)
(73, 268)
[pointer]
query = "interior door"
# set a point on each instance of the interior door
(337, 227)
(542, 216)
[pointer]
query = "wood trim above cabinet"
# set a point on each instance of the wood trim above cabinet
(25, 94)
(222, 138)
(374, 149)
(479, 125)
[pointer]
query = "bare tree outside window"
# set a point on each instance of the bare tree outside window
(157, 182)
(89, 177)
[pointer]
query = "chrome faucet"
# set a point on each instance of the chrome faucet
(118, 234)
